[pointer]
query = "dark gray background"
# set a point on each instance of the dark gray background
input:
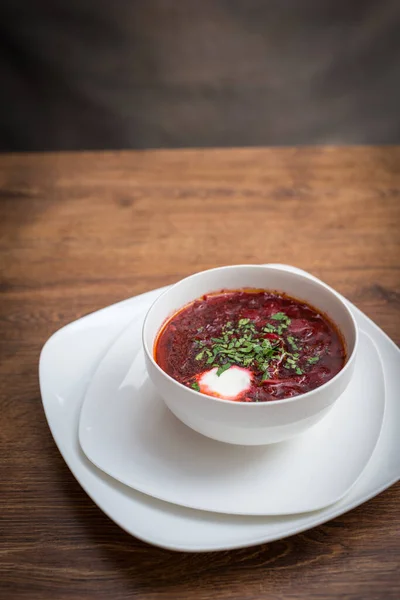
(148, 73)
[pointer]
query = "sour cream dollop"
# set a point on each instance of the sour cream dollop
(231, 384)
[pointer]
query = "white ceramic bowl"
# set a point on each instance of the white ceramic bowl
(241, 422)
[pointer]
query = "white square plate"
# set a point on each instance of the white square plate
(67, 364)
(127, 431)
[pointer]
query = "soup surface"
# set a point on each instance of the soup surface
(250, 346)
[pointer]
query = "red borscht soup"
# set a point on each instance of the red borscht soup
(250, 346)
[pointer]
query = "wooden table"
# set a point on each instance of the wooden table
(81, 231)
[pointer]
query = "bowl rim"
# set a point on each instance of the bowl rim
(227, 401)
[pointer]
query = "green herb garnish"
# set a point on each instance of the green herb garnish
(223, 368)
(279, 316)
(242, 344)
(243, 322)
(195, 386)
(292, 343)
(312, 360)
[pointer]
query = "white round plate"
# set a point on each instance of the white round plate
(127, 431)
(67, 363)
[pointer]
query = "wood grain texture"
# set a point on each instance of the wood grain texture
(81, 231)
